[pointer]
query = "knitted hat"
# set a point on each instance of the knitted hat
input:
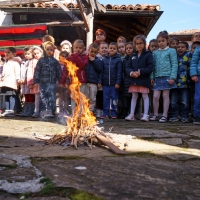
(66, 42)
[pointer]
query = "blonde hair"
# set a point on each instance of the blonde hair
(48, 38)
(48, 43)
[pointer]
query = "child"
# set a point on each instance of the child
(34, 88)
(29, 104)
(125, 83)
(139, 68)
(47, 72)
(81, 60)
(49, 38)
(174, 43)
(103, 51)
(9, 80)
(195, 74)
(194, 45)
(63, 91)
(182, 83)
(100, 36)
(121, 39)
(164, 74)
(153, 45)
(93, 69)
(66, 46)
(121, 50)
(110, 79)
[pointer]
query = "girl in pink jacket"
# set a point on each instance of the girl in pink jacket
(34, 88)
(9, 80)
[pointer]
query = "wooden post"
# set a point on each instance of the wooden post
(90, 16)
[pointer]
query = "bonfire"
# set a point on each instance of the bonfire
(82, 125)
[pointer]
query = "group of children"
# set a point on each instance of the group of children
(114, 77)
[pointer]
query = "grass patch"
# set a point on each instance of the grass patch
(51, 190)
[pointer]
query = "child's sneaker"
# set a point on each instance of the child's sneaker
(36, 115)
(114, 117)
(185, 120)
(163, 119)
(196, 121)
(154, 118)
(173, 119)
(104, 117)
(130, 117)
(145, 118)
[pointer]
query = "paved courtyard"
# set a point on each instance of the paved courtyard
(162, 162)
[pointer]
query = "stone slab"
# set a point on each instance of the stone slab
(194, 144)
(170, 141)
(6, 162)
(152, 133)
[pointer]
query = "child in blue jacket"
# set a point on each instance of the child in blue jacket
(110, 79)
(182, 84)
(195, 75)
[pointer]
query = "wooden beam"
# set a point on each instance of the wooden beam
(80, 24)
(137, 22)
(69, 12)
(95, 4)
(20, 2)
(82, 11)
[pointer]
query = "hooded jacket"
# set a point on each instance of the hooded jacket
(111, 71)
(93, 70)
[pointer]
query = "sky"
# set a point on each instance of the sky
(178, 14)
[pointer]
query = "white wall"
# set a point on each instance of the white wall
(5, 18)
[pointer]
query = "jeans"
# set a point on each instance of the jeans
(184, 94)
(110, 92)
(197, 100)
(91, 92)
(48, 96)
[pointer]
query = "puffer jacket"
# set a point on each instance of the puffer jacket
(183, 74)
(165, 63)
(81, 61)
(144, 64)
(195, 63)
(48, 70)
(111, 71)
(10, 74)
(93, 70)
(126, 78)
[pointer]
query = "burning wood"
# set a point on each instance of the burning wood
(81, 126)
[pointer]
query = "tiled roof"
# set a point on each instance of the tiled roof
(185, 32)
(130, 7)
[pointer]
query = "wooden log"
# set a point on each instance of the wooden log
(108, 143)
(20, 2)
(95, 4)
(81, 8)
(69, 12)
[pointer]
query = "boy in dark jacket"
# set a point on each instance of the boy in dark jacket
(110, 79)
(47, 72)
(93, 70)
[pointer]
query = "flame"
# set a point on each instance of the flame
(82, 120)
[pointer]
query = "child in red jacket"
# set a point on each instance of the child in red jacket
(81, 60)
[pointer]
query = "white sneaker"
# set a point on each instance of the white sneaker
(145, 118)
(130, 117)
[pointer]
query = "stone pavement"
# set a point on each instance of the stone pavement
(162, 161)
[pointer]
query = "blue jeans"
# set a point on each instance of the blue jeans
(197, 100)
(110, 92)
(48, 96)
(184, 94)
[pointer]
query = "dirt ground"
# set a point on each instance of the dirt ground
(162, 161)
